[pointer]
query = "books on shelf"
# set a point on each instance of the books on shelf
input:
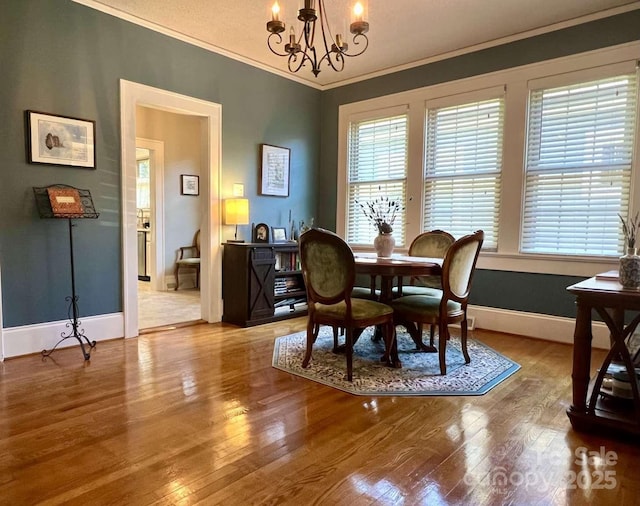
(287, 284)
(609, 275)
(287, 261)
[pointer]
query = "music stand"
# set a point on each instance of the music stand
(67, 202)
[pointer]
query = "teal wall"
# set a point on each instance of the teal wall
(63, 58)
(536, 293)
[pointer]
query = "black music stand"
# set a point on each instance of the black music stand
(67, 202)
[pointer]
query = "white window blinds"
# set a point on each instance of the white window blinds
(377, 167)
(578, 167)
(463, 166)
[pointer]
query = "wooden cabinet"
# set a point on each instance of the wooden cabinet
(261, 283)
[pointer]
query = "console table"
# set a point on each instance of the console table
(600, 411)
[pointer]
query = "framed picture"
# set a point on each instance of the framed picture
(60, 140)
(190, 185)
(261, 233)
(279, 234)
(274, 170)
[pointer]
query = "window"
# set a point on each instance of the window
(143, 186)
(578, 167)
(463, 166)
(377, 166)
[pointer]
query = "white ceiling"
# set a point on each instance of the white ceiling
(403, 33)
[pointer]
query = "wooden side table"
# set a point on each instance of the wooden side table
(600, 410)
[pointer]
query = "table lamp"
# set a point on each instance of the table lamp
(236, 213)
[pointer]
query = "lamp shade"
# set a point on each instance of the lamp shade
(236, 211)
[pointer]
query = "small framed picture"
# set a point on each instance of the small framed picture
(279, 234)
(190, 185)
(261, 233)
(60, 140)
(274, 170)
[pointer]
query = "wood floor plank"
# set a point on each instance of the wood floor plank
(197, 415)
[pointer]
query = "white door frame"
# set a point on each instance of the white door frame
(156, 262)
(133, 95)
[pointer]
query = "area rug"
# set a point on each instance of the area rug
(419, 375)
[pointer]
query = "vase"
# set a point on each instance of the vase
(629, 271)
(384, 244)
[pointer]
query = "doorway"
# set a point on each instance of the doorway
(133, 95)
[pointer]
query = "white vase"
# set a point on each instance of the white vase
(384, 244)
(629, 270)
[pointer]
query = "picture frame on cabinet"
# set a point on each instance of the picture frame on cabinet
(261, 232)
(279, 234)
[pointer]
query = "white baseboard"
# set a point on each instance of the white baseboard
(35, 338)
(43, 336)
(539, 326)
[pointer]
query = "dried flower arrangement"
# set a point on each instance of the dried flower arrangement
(381, 212)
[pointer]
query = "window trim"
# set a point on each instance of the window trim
(517, 81)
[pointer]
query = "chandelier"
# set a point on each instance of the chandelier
(302, 50)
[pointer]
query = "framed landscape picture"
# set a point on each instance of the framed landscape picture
(60, 140)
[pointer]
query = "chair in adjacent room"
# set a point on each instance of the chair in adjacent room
(448, 305)
(328, 267)
(189, 258)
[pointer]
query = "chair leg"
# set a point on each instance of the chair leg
(390, 356)
(349, 353)
(335, 339)
(432, 329)
(463, 340)
(443, 332)
(198, 277)
(175, 273)
(310, 339)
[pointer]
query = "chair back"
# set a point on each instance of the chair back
(459, 265)
(196, 243)
(328, 266)
(433, 244)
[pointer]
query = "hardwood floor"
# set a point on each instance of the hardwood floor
(197, 415)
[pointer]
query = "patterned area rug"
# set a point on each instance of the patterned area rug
(419, 375)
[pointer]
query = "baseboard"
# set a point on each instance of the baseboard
(43, 336)
(539, 326)
(35, 338)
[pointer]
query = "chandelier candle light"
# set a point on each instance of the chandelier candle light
(302, 49)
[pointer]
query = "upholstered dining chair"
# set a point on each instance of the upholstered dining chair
(189, 258)
(328, 267)
(450, 304)
(431, 244)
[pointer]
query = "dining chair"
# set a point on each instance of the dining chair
(328, 267)
(448, 305)
(431, 244)
(189, 258)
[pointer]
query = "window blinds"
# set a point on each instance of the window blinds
(463, 165)
(578, 167)
(377, 167)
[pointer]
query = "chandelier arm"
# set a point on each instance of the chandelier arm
(291, 62)
(356, 42)
(338, 65)
(278, 42)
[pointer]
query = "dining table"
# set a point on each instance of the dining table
(394, 269)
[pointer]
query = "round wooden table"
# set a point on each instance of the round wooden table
(398, 266)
